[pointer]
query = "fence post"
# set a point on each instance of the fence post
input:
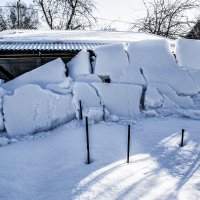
(87, 140)
(80, 110)
(128, 146)
(182, 137)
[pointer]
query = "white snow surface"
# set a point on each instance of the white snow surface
(79, 65)
(187, 53)
(120, 99)
(52, 165)
(32, 109)
(113, 60)
(51, 72)
(159, 65)
(87, 94)
(110, 60)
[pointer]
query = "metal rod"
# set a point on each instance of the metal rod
(87, 141)
(182, 137)
(128, 146)
(103, 112)
(80, 110)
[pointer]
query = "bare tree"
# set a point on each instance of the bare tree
(67, 14)
(18, 16)
(168, 18)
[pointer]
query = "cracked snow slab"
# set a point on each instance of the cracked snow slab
(51, 72)
(187, 53)
(120, 99)
(159, 65)
(90, 100)
(32, 109)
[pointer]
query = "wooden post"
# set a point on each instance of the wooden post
(182, 137)
(87, 140)
(80, 110)
(128, 146)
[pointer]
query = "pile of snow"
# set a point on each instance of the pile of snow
(120, 99)
(164, 100)
(187, 53)
(31, 109)
(52, 72)
(88, 78)
(159, 65)
(79, 65)
(90, 101)
(112, 60)
(64, 87)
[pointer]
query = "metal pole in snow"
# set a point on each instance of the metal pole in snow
(87, 140)
(182, 137)
(103, 112)
(128, 146)
(80, 110)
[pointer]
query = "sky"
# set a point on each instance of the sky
(121, 10)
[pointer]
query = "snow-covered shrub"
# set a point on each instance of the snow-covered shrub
(31, 109)
(52, 72)
(187, 53)
(79, 65)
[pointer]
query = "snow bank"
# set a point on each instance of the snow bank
(153, 99)
(120, 99)
(159, 65)
(64, 87)
(89, 100)
(113, 60)
(52, 72)
(110, 60)
(31, 109)
(88, 78)
(79, 65)
(187, 53)
(4, 141)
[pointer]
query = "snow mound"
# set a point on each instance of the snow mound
(85, 93)
(32, 109)
(64, 87)
(120, 99)
(153, 99)
(79, 65)
(88, 78)
(187, 53)
(4, 141)
(52, 72)
(110, 60)
(159, 65)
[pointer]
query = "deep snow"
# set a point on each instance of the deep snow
(52, 165)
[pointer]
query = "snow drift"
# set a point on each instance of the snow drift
(52, 72)
(187, 53)
(31, 109)
(159, 65)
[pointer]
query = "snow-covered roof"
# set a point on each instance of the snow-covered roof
(65, 40)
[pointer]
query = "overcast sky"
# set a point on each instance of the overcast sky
(121, 10)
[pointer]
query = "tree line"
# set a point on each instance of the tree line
(168, 18)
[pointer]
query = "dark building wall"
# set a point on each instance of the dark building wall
(19, 64)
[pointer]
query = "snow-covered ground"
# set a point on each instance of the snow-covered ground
(52, 165)
(150, 89)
